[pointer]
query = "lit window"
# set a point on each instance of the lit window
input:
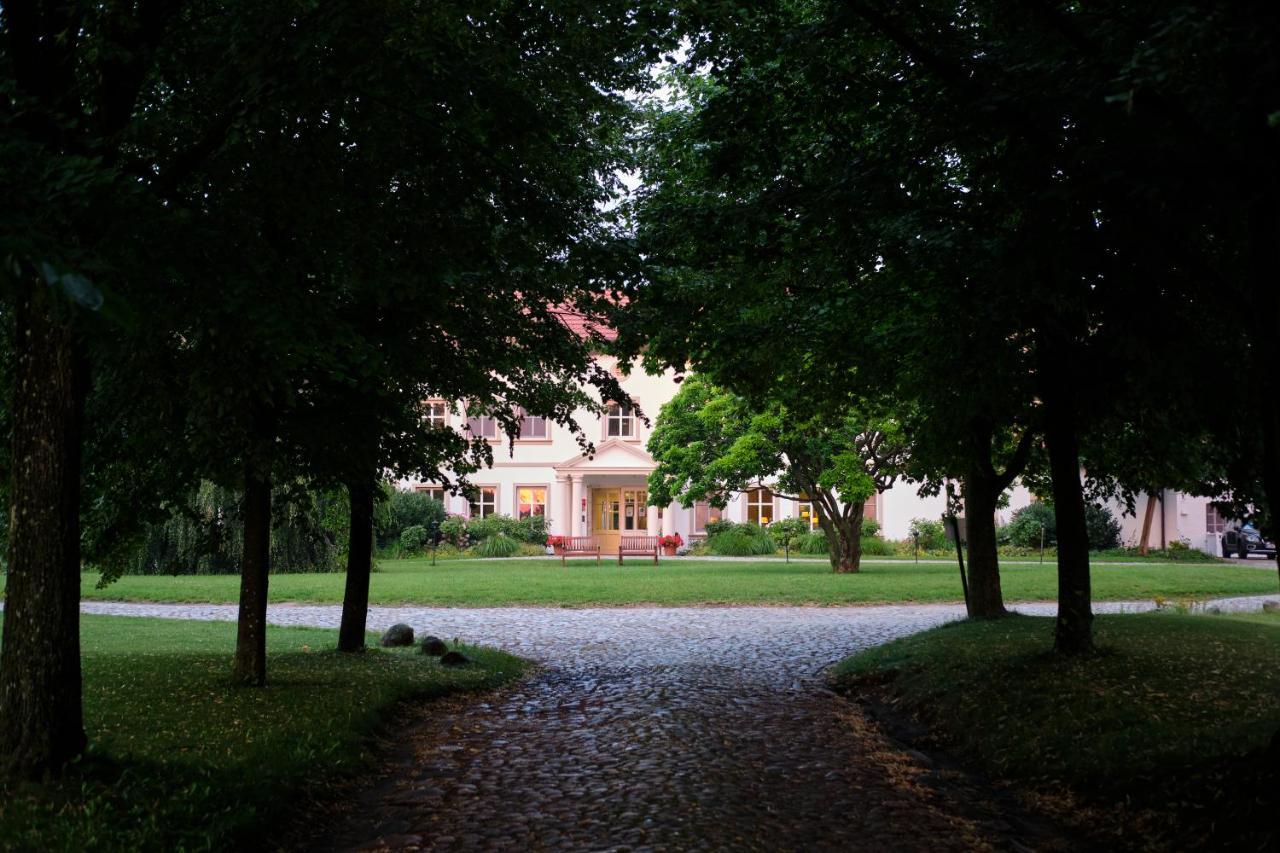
(436, 493)
(760, 506)
(531, 501)
(438, 414)
(484, 501)
(620, 421)
(806, 512)
(532, 426)
(483, 426)
(704, 512)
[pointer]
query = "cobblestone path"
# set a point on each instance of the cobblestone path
(655, 728)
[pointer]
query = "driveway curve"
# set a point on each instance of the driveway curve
(655, 729)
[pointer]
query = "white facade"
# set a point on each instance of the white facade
(605, 495)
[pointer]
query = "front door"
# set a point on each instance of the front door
(606, 511)
(615, 512)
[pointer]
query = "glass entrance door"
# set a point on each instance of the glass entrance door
(615, 512)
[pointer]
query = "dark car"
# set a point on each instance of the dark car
(1246, 540)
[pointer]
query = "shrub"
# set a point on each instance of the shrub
(719, 526)
(1104, 529)
(874, 546)
(412, 509)
(870, 528)
(414, 538)
(732, 543)
(812, 543)
(931, 533)
(533, 529)
(492, 525)
(1023, 530)
(498, 545)
(788, 528)
(454, 530)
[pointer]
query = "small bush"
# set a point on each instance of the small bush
(870, 528)
(498, 545)
(788, 528)
(719, 526)
(733, 543)
(814, 542)
(1023, 530)
(1104, 529)
(532, 530)
(874, 546)
(413, 539)
(931, 533)
(404, 509)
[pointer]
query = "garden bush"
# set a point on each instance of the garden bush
(733, 543)
(414, 538)
(870, 528)
(533, 530)
(788, 528)
(719, 526)
(403, 509)
(874, 546)
(454, 531)
(1023, 530)
(932, 534)
(1104, 529)
(811, 543)
(497, 545)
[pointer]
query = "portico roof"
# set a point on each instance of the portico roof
(612, 456)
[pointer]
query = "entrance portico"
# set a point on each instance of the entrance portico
(606, 495)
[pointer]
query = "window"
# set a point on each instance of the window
(620, 421)
(531, 501)
(483, 426)
(704, 512)
(1213, 520)
(635, 509)
(760, 506)
(436, 493)
(869, 508)
(806, 513)
(484, 502)
(438, 414)
(532, 426)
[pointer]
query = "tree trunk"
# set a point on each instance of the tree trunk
(986, 599)
(1074, 630)
(355, 602)
(250, 664)
(41, 719)
(844, 540)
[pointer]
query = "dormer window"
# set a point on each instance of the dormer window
(620, 421)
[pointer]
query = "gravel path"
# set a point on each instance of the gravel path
(656, 728)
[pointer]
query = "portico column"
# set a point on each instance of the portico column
(564, 508)
(652, 525)
(669, 519)
(575, 505)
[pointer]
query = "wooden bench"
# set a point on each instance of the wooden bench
(580, 546)
(638, 546)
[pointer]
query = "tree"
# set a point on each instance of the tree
(710, 443)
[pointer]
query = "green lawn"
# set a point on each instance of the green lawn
(181, 759)
(1161, 719)
(480, 583)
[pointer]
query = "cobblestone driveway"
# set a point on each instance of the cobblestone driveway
(653, 728)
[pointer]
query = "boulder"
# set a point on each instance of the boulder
(454, 658)
(433, 646)
(1271, 606)
(398, 635)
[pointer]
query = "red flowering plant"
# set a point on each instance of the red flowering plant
(555, 541)
(672, 541)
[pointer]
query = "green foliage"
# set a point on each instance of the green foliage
(454, 531)
(741, 540)
(204, 536)
(1161, 721)
(414, 538)
(874, 546)
(812, 543)
(719, 526)
(1103, 527)
(931, 533)
(788, 528)
(405, 509)
(497, 545)
(182, 761)
(1024, 529)
(870, 527)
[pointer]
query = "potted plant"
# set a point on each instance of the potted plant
(670, 544)
(556, 544)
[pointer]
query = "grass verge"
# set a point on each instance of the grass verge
(491, 583)
(180, 759)
(1159, 740)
